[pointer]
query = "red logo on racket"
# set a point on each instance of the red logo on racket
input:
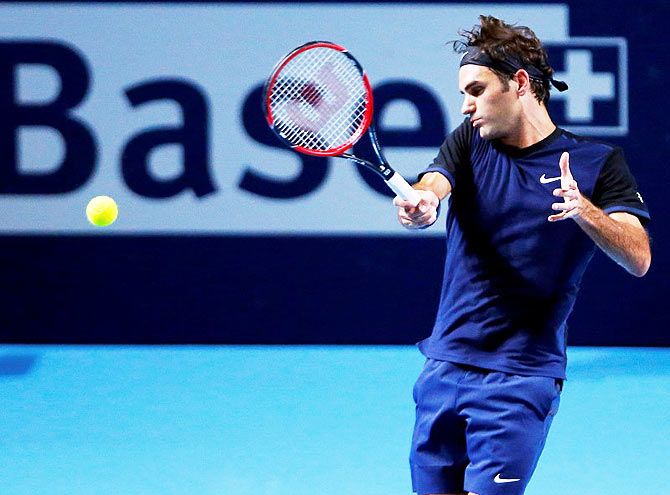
(315, 105)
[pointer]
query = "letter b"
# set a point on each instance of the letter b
(80, 150)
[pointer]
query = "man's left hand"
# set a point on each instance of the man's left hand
(574, 203)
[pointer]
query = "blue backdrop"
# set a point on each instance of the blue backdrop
(175, 286)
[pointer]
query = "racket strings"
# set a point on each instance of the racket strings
(319, 99)
(318, 125)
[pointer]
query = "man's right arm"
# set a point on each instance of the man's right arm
(437, 181)
(433, 187)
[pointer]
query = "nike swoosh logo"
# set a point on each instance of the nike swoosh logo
(545, 180)
(498, 479)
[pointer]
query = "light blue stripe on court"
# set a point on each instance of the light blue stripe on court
(81, 420)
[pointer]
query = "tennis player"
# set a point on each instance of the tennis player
(528, 204)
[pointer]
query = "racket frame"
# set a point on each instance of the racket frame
(394, 180)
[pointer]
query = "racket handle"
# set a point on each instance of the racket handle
(400, 186)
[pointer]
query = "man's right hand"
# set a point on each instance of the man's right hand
(421, 215)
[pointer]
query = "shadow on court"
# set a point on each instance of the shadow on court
(17, 365)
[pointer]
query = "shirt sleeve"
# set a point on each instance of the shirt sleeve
(616, 189)
(454, 154)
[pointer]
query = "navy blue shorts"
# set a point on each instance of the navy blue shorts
(477, 430)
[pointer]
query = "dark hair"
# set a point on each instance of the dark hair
(499, 40)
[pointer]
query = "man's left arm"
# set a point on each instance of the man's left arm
(619, 234)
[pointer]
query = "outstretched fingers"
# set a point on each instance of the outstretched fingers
(566, 174)
(568, 191)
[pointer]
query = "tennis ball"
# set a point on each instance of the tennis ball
(102, 211)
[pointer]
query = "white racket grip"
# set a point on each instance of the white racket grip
(400, 186)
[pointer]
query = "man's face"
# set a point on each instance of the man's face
(493, 109)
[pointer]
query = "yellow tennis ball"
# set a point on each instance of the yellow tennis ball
(102, 211)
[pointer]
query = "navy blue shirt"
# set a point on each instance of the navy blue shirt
(510, 276)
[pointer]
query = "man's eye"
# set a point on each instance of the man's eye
(476, 91)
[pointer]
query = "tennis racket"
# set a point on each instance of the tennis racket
(318, 100)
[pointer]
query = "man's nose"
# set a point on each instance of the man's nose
(468, 106)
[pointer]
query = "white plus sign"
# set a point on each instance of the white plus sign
(585, 86)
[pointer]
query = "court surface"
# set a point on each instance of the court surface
(293, 421)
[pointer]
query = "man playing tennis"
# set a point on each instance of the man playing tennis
(496, 356)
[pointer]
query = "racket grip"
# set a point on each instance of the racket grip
(400, 186)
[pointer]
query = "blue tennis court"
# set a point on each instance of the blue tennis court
(293, 421)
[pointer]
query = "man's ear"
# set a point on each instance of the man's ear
(523, 80)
